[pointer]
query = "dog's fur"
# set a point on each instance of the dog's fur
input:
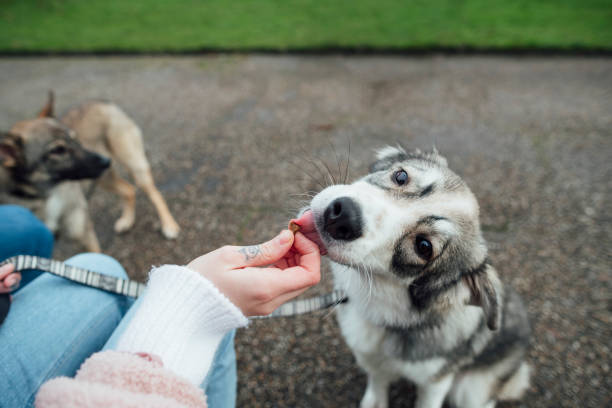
(38, 155)
(442, 320)
(104, 128)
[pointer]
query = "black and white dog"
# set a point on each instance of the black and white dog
(424, 302)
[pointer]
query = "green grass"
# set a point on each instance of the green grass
(191, 25)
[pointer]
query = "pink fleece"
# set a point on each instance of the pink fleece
(120, 379)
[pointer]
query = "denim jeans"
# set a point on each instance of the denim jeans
(21, 233)
(55, 324)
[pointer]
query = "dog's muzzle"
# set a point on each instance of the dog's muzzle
(342, 219)
(93, 166)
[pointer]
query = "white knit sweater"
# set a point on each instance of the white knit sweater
(182, 318)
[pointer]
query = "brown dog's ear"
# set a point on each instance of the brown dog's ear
(483, 294)
(47, 110)
(11, 149)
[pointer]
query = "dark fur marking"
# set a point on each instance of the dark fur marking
(399, 266)
(386, 162)
(513, 334)
(420, 342)
(429, 286)
(426, 191)
(479, 350)
(405, 269)
(430, 220)
(425, 289)
(370, 179)
(410, 195)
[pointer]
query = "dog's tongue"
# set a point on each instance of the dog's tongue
(306, 221)
(307, 227)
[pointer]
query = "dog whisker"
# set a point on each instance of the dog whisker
(348, 161)
(329, 175)
(337, 158)
(312, 162)
(313, 178)
(309, 195)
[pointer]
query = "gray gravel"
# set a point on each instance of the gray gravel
(232, 141)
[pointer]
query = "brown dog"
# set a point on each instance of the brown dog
(103, 128)
(40, 154)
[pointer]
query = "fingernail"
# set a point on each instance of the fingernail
(284, 237)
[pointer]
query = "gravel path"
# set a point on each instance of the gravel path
(232, 141)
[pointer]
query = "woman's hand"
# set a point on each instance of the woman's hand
(9, 280)
(260, 278)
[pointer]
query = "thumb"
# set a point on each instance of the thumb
(268, 252)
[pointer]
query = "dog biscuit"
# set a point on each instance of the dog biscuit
(293, 227)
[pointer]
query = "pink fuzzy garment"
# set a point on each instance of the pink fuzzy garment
(119, 379)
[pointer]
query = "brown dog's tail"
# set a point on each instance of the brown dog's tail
(47, 110)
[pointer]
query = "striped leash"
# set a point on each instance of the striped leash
(134, 289)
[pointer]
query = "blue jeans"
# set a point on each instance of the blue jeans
(21, 233)
(55, 324)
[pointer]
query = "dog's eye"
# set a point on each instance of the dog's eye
(400, 177)
(59, 149)
(423, 247)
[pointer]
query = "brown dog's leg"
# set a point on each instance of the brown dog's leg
(144, 180)
(111, 181)
(80, 228)
(90, 239)
(125, 142)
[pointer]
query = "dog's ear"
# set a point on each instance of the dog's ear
(47, 110)
(11, 149)
(483, 294)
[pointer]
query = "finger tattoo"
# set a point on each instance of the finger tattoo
(250, 252)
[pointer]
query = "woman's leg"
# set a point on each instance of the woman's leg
(53, 326)
(22, 233)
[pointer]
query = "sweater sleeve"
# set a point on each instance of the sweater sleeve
(182, 319)
(120, 380)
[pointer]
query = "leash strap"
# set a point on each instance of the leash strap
(134, 289)
(298, 307)
(86, 277)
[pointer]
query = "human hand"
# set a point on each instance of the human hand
(9, 279)
(308, 228)
(260, 278)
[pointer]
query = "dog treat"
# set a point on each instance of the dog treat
(293, 227)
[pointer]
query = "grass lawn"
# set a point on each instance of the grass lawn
(191, 25)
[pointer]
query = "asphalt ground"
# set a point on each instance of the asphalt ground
(234, 142)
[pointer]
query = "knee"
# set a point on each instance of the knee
(23, 226)
(99, 263)
(45, 240)
(38, 232)
(15, 211)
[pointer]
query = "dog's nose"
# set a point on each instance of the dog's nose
(342, 219)
(104, 161)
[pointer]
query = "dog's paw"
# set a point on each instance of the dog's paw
(171, 230)
(123, 224)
